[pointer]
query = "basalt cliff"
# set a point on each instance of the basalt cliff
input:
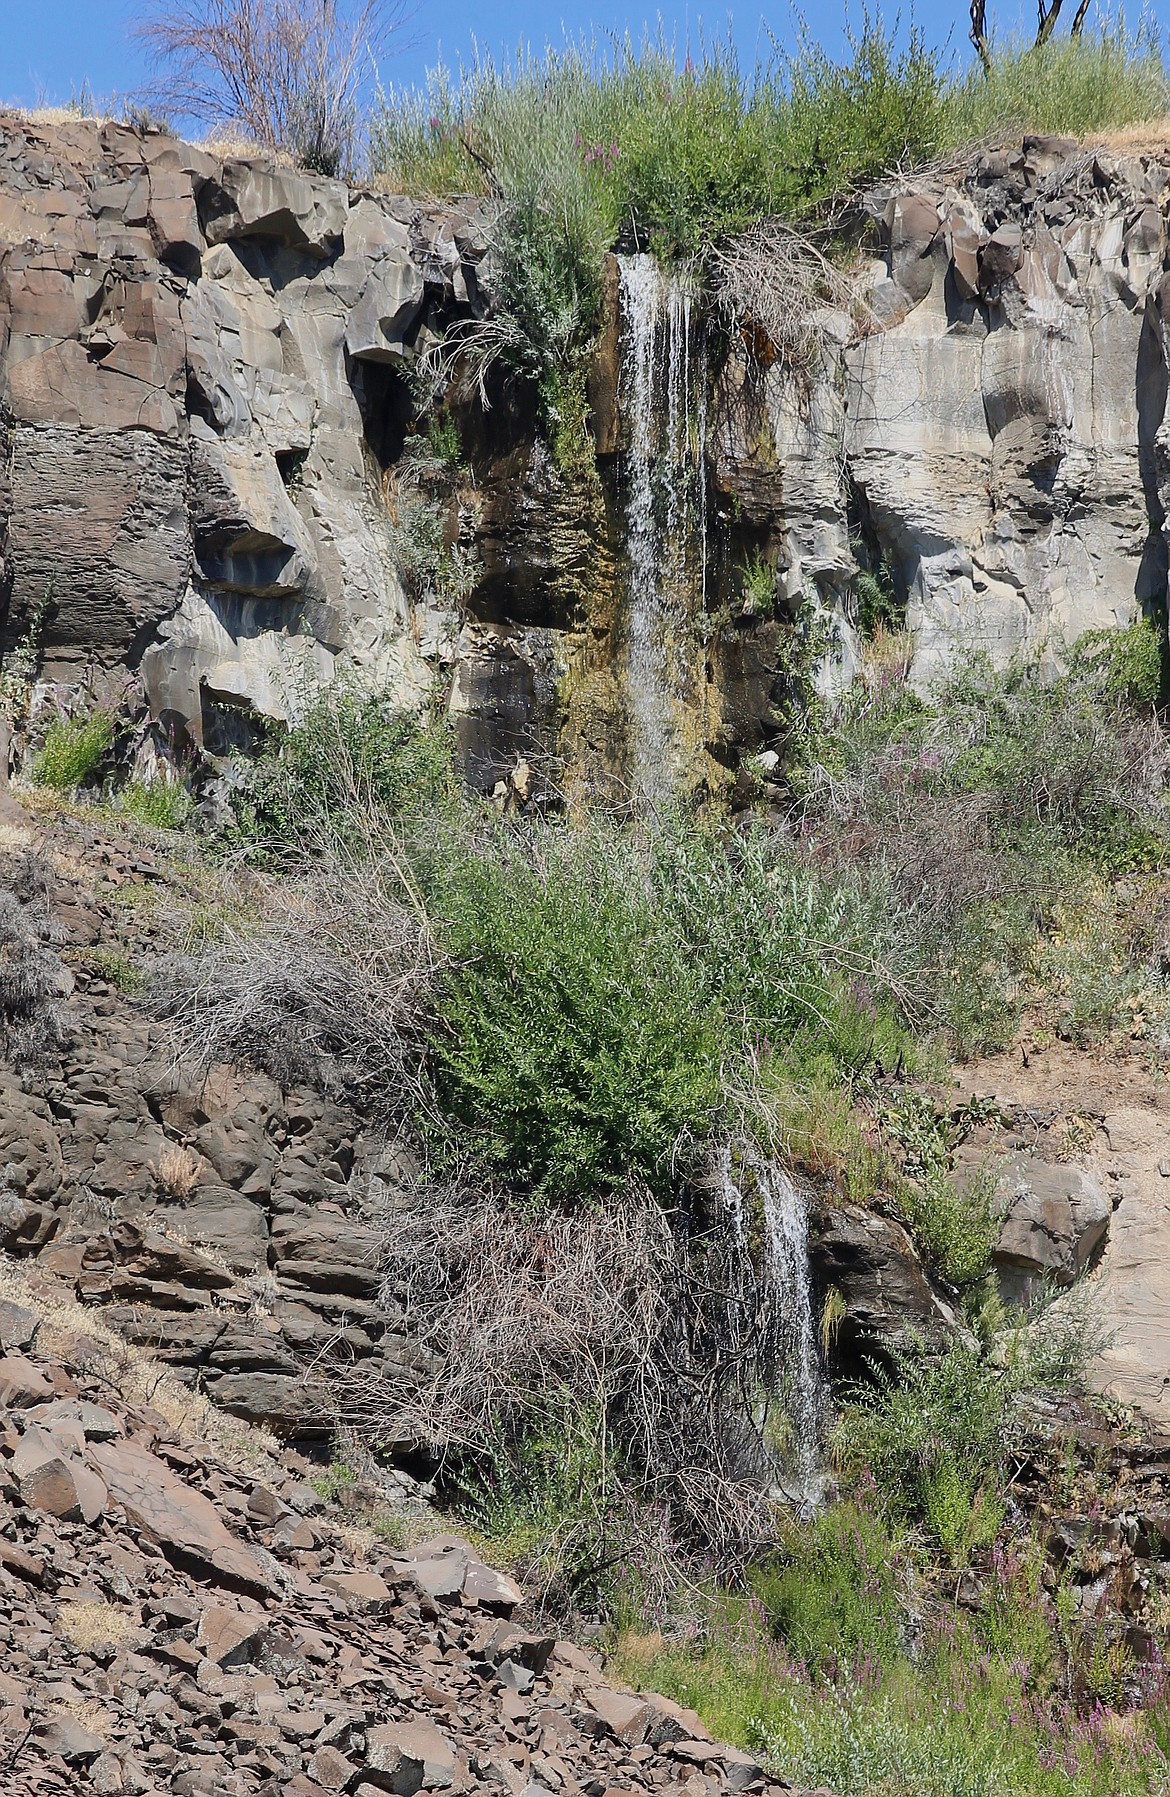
(209, 373)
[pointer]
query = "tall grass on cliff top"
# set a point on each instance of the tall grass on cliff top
(606, 139)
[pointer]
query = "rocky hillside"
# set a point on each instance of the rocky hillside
(235, 1228)
(181, 1611)
(209, 373)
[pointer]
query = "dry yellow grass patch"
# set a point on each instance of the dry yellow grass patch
(94, 1624)
(82, 1337)
(176, 1171)
(90, 1715)
(60, 115)
(1144, 138)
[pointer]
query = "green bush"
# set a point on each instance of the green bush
(574, 1041)
(836, 1594)
(1075, 85)
(933, 1435)
(163, 804)
(989, 812)
(73, 750)
(352, 764)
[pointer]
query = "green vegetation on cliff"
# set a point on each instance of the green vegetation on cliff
(585, 146)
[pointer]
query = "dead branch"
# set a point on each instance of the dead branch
(289, 73)
(771, 279)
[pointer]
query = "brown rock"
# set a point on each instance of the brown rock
(22, 1383)
(361, 1590)
(412, 1756)
(184, 1523)
(65, 1489)
(229, 1637)
(484, 1586)
(63, 1734)
(331, 1770)
(621, 1714)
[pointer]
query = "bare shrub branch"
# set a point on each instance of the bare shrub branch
(638, 1329)
(330, 990)
(289, 73)
(33, 980)
(773, 280)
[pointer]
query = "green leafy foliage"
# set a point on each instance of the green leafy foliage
(73, 750)
(1090, 82)
(574, 1042)
(163, 804)
(350, 755)
(834, 1595)
(933, 1435)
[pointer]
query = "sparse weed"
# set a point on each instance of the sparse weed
(163, 804)
(111, 965)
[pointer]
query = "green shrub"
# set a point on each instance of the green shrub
(349, 766)
(837, 1594)
(115, 968)
(1075, 85)
(1125, 664)
(73, 750)
(163, 804)
(932, 1434)
(574, 1040)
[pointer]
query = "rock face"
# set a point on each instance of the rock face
(1055, 1219)
(219, 1222)
(889, 1305)
(197, 359)
(203, 395)
(1006, 412)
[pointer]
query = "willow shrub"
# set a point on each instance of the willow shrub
(574, 1045)
(611, 999)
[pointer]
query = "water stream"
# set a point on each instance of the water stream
(775, 1281)
(664, 497)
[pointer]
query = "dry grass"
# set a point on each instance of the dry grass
(773, 280)
(60, 115)
(81, 1337)
(582, 1326)
(95, 1624)
(324, 983)
(93, 1716)
(176, 1172)
(1146, 137)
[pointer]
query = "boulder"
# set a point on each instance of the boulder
(891, 1305)
(1055, 1219)
(409, 1757)
(53, 1482)
(251, 200)
(184, 1523)
(387, 308)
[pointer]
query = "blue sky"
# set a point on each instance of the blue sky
(48, 48)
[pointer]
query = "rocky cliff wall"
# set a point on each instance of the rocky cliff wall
(206, 377)
(1006, 412)
(197, 368)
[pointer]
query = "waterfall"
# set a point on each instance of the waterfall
(795, 1347)
(777, 1283)
(663, 466)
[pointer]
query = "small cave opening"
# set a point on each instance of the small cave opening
(386, 406)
